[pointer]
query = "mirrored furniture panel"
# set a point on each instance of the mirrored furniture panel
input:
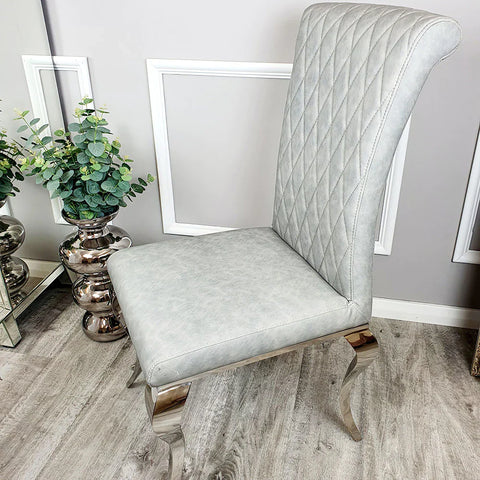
(42, 274)
(28, 235)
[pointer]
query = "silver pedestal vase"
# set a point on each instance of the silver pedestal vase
(86, 252)
(15, 271)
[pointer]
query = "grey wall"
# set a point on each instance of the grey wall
(122, 34)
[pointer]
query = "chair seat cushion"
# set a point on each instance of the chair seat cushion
(195, 304)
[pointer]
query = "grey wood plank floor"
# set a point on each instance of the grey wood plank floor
(65, 413)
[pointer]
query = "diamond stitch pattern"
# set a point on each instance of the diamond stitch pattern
(347, 61)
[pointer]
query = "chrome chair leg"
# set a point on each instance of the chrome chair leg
(165, 409)
(366, 350)
(137, 370)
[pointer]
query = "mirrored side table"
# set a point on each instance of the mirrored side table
(42, 274)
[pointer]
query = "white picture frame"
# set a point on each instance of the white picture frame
(157, 68)
(463, 252)
(33, 65)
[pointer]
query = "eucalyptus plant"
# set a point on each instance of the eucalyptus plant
(9, 169)
(81, 166)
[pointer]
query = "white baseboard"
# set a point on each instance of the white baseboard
(426, 313)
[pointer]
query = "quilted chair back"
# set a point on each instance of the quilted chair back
(357, 72)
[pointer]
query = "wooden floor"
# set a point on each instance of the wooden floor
(65, 414)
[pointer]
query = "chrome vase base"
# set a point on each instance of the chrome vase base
(86, 252)
(15, 272)
(102, 328)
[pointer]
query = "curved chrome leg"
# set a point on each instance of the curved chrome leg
(137, 370)
(165, 409)
(366, 350)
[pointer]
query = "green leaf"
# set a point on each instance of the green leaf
(96, 166)
(82, 158)
(46, 140)
(41, 129)
(96, 176)
(137, 188)
(34, 121)
(96, 149)
(65, 194)
(74, 127)
(108, 185)
(77, 139)
(124, 170)
(126, 178)
(58, 174)
(52, 185)
(99, 199)
(78, 194)
(86, 100)
(91, 201)
(67, 176)
(92, 187)
(150, 179)
(48, 173)
(6, 186)
(116, 175)
(93, 136)
(141, 181)
(111, 200)
(69, 207)
(59, 133)
(124, 186)
(86, 214)
(22, 128)
(19, 176)
(91, 119)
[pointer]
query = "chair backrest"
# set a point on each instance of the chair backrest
(357, 72)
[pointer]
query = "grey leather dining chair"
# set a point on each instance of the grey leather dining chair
(199, 305)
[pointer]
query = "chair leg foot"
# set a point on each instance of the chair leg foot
(165, 409)
(137, 370)
(366, 350)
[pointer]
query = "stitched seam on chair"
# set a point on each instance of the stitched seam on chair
(281, 205)
(351, 245)
(350, 196)
(360, 312)
(327, 166)
(367, 12)
(366, 88)
(295, 162)
(305, 66)
(282, 200)
(375, 144)
(159, 362)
